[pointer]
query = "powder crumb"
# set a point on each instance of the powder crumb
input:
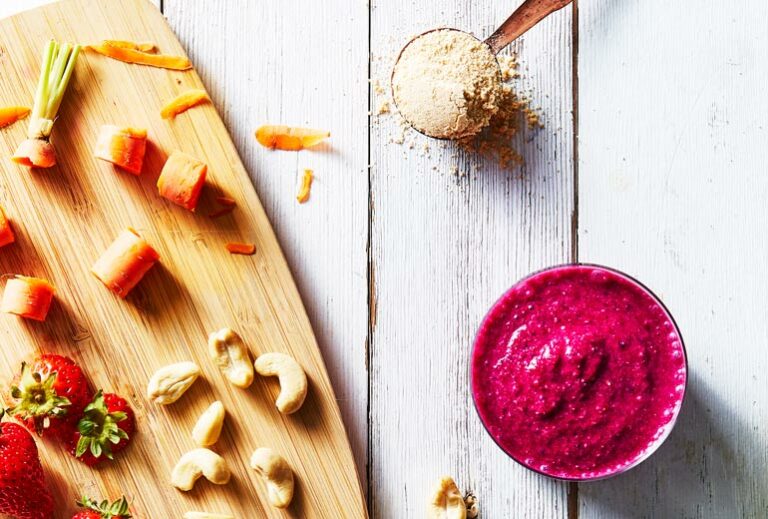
(383, 107)
(446, 84)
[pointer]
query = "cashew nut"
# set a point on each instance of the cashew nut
(206, 515)
(277, 475)
(227, 350)
(170, 382)
(447, 502)
(197, 463)
(293, 380)
(208, 427)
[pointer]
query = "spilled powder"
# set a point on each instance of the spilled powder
(446, 84)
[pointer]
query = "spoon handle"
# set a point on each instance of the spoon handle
(526, 16)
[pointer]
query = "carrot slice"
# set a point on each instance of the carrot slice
(226, 201)
(306, 186)
(123, 147)
(6, 232)
(35, 153)
(27, 297)
(288, 138)
(144, 46)
(246, 249)
(183, 102)
(12, 114)
(125, 262)
(182, 179)
(142, 58)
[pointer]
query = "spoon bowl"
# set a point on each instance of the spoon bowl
(526, 16)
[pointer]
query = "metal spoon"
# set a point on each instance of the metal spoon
(526, 16)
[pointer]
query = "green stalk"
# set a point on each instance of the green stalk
(55, 72)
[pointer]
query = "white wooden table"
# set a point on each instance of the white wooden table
(652, 160)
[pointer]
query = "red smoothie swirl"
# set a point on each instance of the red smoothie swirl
(578, 372)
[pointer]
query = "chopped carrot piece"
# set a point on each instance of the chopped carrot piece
(123, 147)
(12, 114)
(184, 102)
(246, 249)
(125, 262)
(182, 179)
(37, 153)
(6, 232)
(288, 138)
(27, 297)
(226, 201)
(142, 58)
(144, 46)
(221, 212)
(306, 186)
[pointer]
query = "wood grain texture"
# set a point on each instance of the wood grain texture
(65, 218)
(444, 247)
(263, 65)
(672, 190)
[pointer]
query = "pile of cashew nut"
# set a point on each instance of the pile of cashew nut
(228, 352)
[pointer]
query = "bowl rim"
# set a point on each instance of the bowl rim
(672, 423)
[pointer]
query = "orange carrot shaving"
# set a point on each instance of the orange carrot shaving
(27, 297)
(144, 46)
(221, 212)
(142, 58)
(6, 232)
(306, 186)
(246, 249)
(184, 102)
(12, 114)
(125, 262)
(226, 201)
(182, 179)
(288, 138)
(123, 147)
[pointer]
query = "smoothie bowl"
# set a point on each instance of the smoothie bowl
(578, 372)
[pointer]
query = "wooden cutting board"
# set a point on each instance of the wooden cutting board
(65, 218)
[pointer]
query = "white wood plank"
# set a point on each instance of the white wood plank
(673, 190)
(305, 65)
(443, 249)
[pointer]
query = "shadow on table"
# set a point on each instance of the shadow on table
(704, 469)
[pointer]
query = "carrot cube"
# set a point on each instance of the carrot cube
(182, 180)
(6, 232)
(27, 297)
(125, 262)
(123, 147)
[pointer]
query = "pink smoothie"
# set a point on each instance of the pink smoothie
(578, 372)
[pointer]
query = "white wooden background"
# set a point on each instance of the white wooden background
(652, 160)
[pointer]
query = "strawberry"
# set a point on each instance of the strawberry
(49, 396)
(23, 492)
(105, 428)
(103, 510)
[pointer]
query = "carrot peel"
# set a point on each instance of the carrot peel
(182, 179)
(27, 297)
(6, 232)
(144, 46)
(306, 186)
(129, 55)
(288, 138)
(123, 147)
(11, 114)
(183, 102)
(125, 262)
(246, 249)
